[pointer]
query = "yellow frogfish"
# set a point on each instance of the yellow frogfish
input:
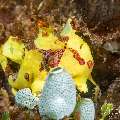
(66, 50)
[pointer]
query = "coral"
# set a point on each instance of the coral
(106, 110)
(58, 98)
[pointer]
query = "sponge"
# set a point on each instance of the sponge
(58, 98)
(25, 98)
(86, 109)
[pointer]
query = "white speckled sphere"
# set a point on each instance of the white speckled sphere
(25, 98)
(58, 98)
(86, 109)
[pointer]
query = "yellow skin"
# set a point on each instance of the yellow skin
(30, 66)
(3, 60)
(33, 59)
(49, 41)
(80, 73)
(13, 49)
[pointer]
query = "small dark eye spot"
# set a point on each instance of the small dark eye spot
(26, 76)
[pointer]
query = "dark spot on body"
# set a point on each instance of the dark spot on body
(81, 46)
(64, 38)
(90, 64)
(77, 56)
(41, 67)
(26, 76)
(45, 34)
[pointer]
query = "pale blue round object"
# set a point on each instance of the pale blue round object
(86, 109)
(25, 98)
(58, 98)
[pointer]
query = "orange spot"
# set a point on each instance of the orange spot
(44, 34)
(64, 38)
(77, 56)
(41, 23)
(90, 64)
